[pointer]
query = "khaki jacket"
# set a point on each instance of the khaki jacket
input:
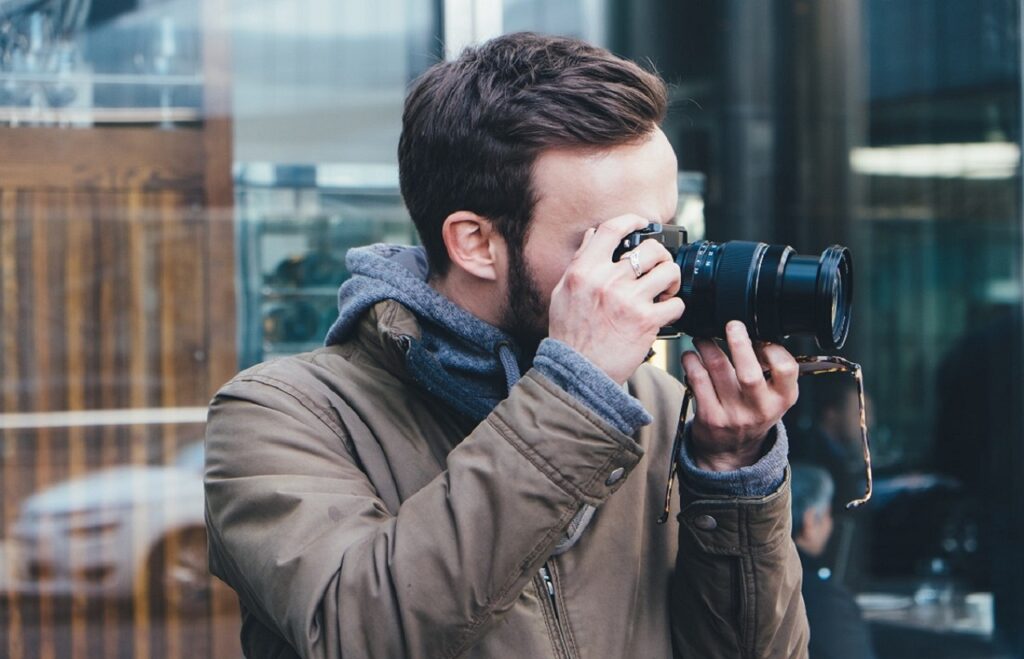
(355, 516)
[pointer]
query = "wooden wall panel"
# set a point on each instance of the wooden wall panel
(106, 302)
(116, 293)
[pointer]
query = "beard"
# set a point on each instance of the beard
(525, 314)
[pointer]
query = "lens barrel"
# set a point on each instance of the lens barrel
(772, 289)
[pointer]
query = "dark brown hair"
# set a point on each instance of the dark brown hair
(473, 127)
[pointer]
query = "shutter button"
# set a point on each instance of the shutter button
(615, 476)
(705, 522)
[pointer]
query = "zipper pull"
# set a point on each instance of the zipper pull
(546, 576)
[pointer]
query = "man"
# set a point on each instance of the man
(474, 464)
(837, 627)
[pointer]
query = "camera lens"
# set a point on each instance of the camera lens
(772, 289)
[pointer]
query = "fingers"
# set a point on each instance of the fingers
(749, 374)
(660, 277)
(650, 253)
(610, 234)
(668, 311)
(721, 372)
(588, 235)
(664, 277)
(736, 405)
(739, 378)
(709, 408)
(783, 368)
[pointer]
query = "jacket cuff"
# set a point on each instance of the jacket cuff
(563, 438)
(759, 479)
(590, 385)
(736, 526)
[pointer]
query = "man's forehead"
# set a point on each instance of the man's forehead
(595, 185)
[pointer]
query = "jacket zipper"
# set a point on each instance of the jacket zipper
(548, 584)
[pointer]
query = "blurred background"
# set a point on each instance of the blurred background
(180, 180)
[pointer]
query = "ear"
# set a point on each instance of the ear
(473, 244)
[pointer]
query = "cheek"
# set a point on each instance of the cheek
(547, 278)
(547, 264)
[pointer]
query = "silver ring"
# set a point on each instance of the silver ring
(634, 262)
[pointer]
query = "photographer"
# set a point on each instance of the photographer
(474, 463)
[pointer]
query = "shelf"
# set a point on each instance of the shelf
(133, 79)
(285, 291)
(18, 115)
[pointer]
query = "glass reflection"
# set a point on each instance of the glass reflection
(77, 537)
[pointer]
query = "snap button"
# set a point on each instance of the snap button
(615, 476)
(705, 522)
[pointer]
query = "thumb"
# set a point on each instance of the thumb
(587, 237)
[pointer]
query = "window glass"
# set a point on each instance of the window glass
(892, 127)
(584, 19)
(180, 182)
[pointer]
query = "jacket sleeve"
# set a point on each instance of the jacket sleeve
(736, 587)
(297, 529)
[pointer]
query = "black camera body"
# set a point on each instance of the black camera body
(772, 289)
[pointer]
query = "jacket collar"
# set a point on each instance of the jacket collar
(385, 333)
(454, 355)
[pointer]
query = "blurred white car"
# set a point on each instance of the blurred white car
(120, 532)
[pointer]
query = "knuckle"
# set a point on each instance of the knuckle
(749, 379)
(653, 249)
(607, 228)
(574, 279)
(669, 270)
(713, 364)
(786, 369)
(738, 336)
(716, 423)
(617, 297)
(766, 410)
(713, 359)
(695, 374)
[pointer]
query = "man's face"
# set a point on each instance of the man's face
(816, 531)
(577, 190)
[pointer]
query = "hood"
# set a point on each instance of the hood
(396, 272)
(459, 358)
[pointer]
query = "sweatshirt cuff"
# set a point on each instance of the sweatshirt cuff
(759, 479)
(590, 385)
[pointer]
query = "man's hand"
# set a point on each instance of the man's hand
(736, 404)
(603, 310)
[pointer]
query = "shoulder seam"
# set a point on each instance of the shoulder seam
(300, 397)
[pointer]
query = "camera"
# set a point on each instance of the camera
(772, 289)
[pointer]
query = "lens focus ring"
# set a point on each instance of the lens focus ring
(735, 283)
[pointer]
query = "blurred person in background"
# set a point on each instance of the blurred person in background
(830, 437)
(838, 630)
